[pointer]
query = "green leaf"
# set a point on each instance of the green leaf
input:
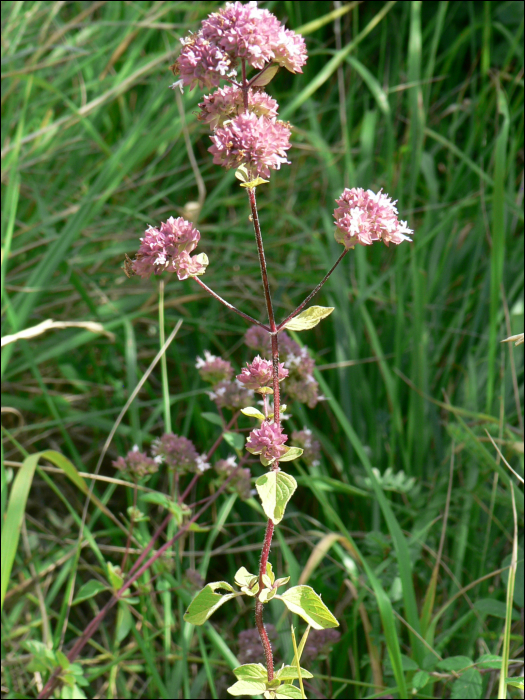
(288, 691)
(265, 78)
(247, 582)
(496, 608)
(291, 453)
(212, 418)
(516, 682)
(161, 499)
(124, 621)
(454, 663)
(247, 688)
(201, 258)
(252, 412)
(305, 602)
(235, 440)
(207, 601)
(290, 673)
(88, 590)
(309, 318)
(420, 680)
(254, 183)
(115, 576)
(468, 686)
(489, 661)
(250, 672)
(275, 490)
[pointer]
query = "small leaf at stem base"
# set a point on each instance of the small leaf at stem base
(309, 318)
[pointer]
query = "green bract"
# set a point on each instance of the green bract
(309, 318)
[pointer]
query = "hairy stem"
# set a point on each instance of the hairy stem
(312, 294)
(265, 552)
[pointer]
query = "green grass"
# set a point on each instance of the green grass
(93, 150)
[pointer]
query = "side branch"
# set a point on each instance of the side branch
(312, 294)
(230, 306)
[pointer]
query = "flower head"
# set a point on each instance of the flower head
(311, 448)
(231, 395)
(241, 482)
(238, 32)
(226, 103)
(267, 441)
(213, 369)
(179, 453)
(259, 143)
(136, 463)
(364, 217)
(167, 249)
(259, 374)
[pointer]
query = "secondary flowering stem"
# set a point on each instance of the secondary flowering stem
(314, 292)
(230, 306)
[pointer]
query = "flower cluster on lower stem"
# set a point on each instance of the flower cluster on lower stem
(267, 441)
(214, 369)
(259, 374)
(311, 447)
(137, 464)
(241, 482)
(179, 454)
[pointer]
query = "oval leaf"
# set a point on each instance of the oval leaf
(247, 688)
(250, 672)
(252, 412)
(207, 601)
(454, 663)
(265, 78)
(289, 673)
(292, 453)
(468, 686)
(275, 490)
(304, 601)
(309, 318)
(212, 418)
(88, 590)
(234, 440)
(288, 691)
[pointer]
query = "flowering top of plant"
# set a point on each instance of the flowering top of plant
(238, 32)
(213, 369)
(168, 248)
(179, 453)
(267, 441)
(136, 463)
(259, 374)
(364, 217)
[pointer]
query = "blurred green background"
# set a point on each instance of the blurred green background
(422, 99)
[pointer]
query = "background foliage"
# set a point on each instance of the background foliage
(422, 99)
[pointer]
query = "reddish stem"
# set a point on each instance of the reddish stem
(265, 553)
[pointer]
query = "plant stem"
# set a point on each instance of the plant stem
(265, 552)
(229, 306)
(312, 294)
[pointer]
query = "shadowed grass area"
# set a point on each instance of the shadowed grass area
(424, 100)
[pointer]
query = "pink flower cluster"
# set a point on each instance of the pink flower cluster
(238, 32)
(179, 454)
(365, 217)
(168, 249)
(259, 374)
(311, 447)
(136, 463)
(232, 395)
(267, 441)
(227, 103)
(300, 384)
(243, 117)
(241, 482)
(213, 369)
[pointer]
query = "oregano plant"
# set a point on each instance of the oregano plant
(236, 53)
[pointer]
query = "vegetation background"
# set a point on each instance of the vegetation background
(422, 99)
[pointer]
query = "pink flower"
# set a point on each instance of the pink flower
(364, 217)
(267, 441)
(179, 453)
(213, 369)
(226, 103)
(259, 374)
(167, 249)
(233, 33)
(136, 463)
(257, 142)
